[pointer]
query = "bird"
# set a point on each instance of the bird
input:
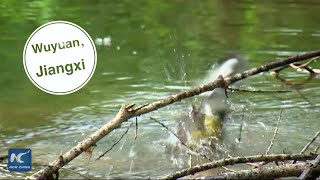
(204, 123)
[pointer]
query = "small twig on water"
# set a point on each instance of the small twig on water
(136, 131)
(275, 133)
(113, 145)
(240, 129)
(184, 144)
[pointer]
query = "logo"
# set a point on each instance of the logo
(19, 160)
(59, 57)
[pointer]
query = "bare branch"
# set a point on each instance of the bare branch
(122, 116)
(287, 170)
(239, 160)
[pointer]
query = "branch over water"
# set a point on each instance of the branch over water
(127, 112)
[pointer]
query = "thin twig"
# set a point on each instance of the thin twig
(113, 145)
(257, 165)
(310, 142)
(307, 63)
(240, 129)
(304, 67)
(275, 133)
(307, 70)
(184, 144)
(136, 131)
(257, 91)
(228, 169)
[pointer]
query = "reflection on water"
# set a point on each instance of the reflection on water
(158, 48)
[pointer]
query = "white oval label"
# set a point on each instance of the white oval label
(59, 57)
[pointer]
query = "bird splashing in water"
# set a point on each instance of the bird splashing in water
(202, 128)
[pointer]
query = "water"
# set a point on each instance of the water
(158, 48)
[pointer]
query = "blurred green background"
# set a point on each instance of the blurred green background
(158, 48)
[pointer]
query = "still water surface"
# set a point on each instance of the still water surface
(158, 48)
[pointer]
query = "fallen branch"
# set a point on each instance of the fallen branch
(287, 170)
(127, 112)
(239, 160)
